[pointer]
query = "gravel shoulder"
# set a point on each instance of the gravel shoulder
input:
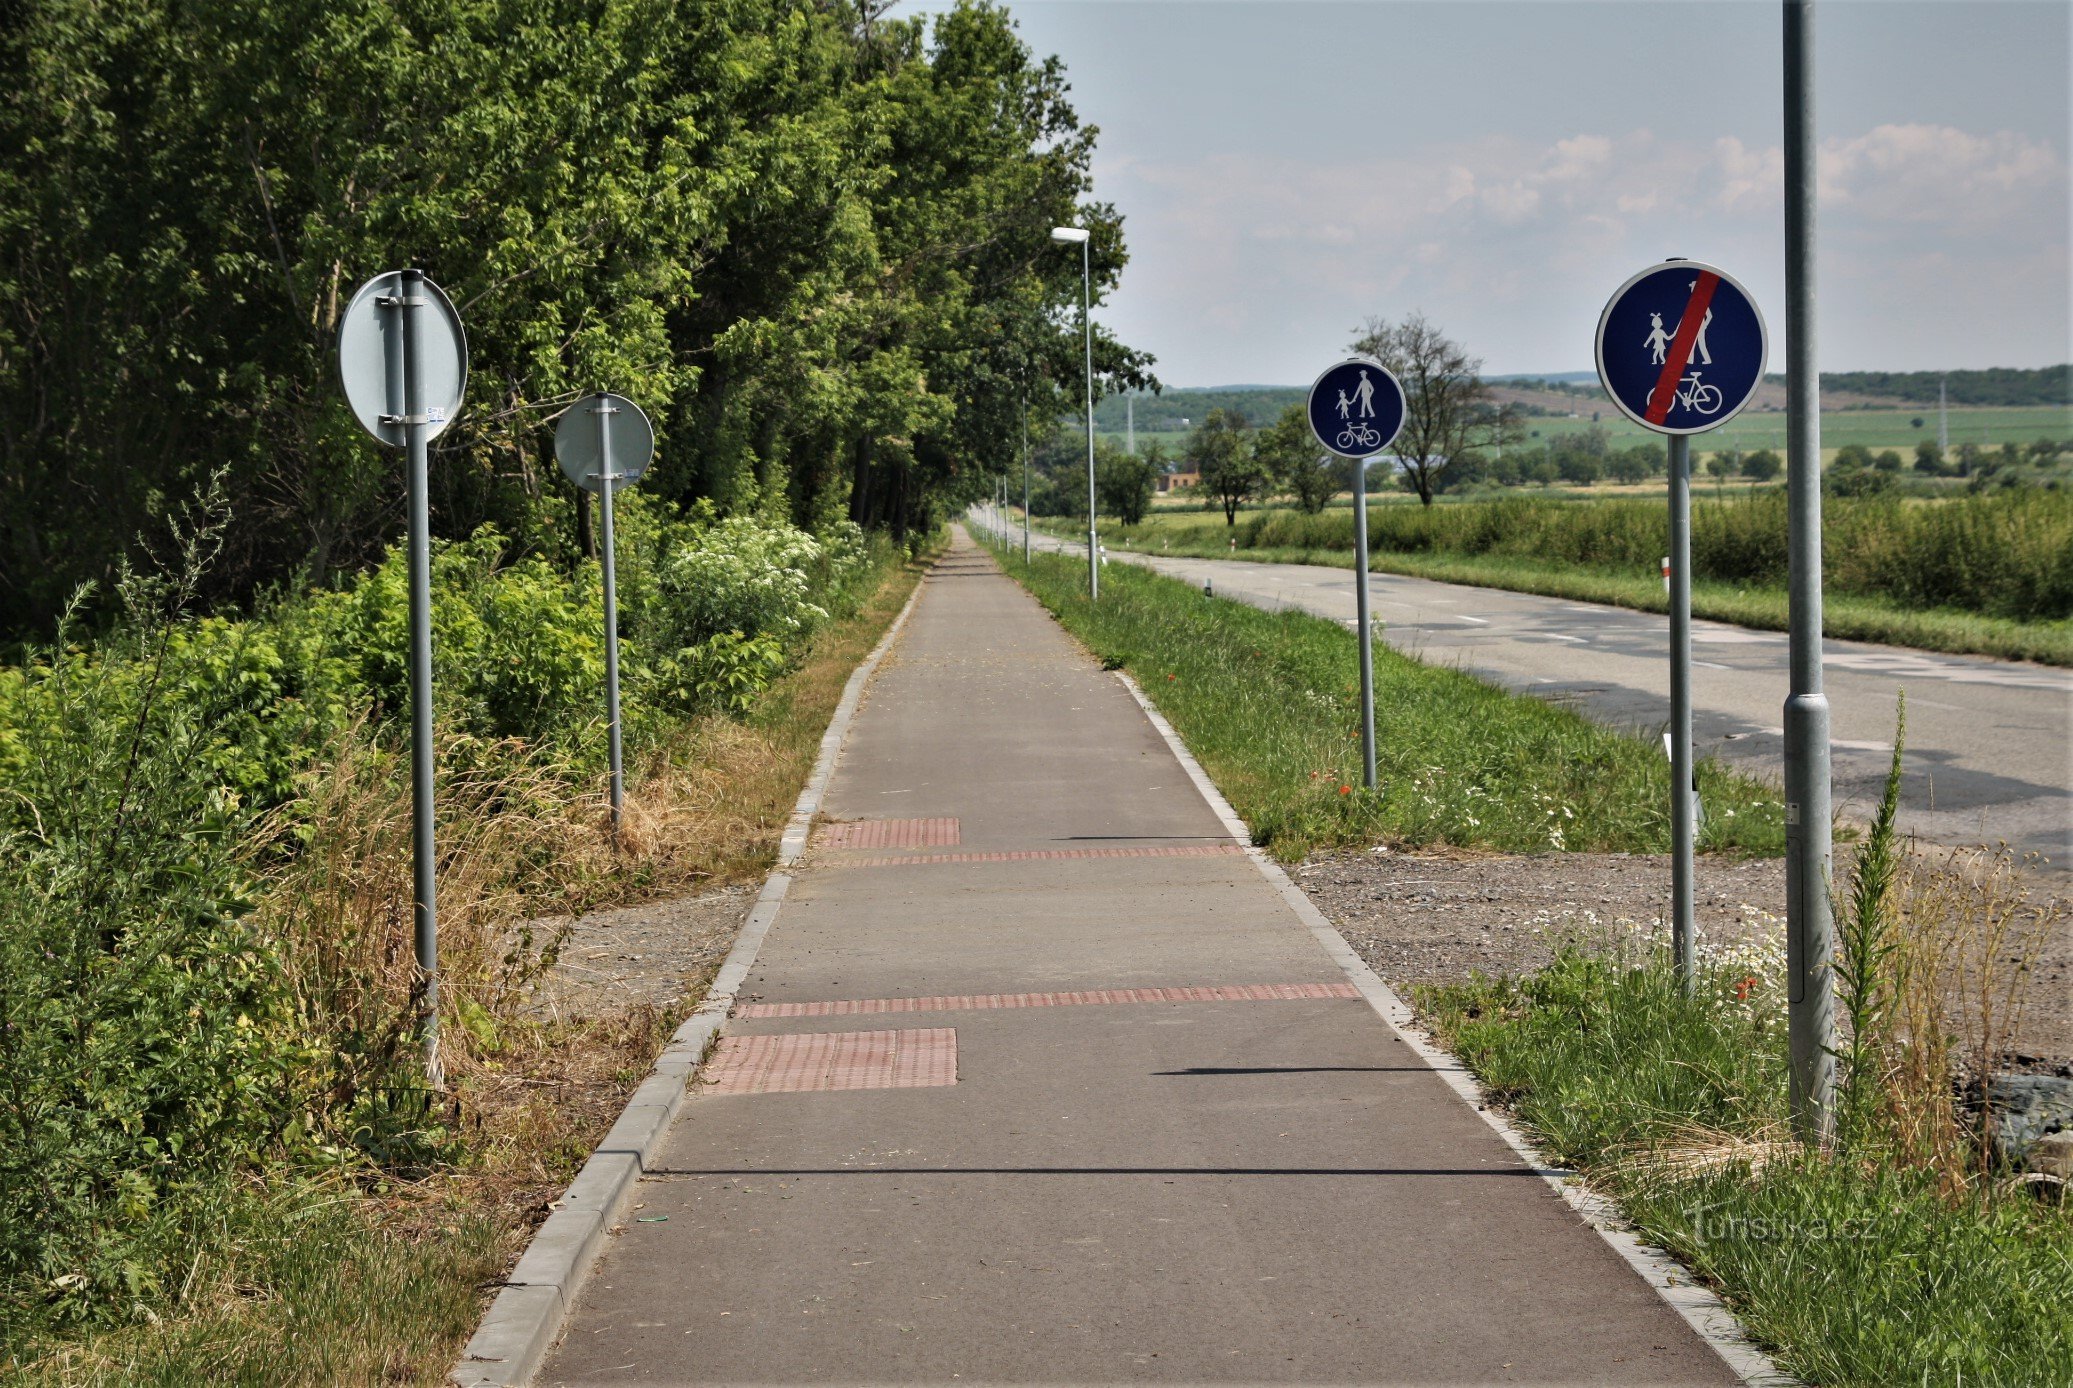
(1424, 918)
(659, 955)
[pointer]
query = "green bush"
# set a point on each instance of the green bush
(153, 1039)
(146, 1043)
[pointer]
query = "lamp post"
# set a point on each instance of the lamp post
(1068, 235)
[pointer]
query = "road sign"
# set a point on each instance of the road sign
(1356, 408)
(605, 439)
(1681, 348)
(631, 439)
(403, 364)
(371, 351)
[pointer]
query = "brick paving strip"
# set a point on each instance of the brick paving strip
(922, 1058)
(889, 833)
(1031, 855)
(974, 1002)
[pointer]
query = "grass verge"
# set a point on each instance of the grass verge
(355, 1276)
(1270, 704)
(1845, 616)
(1854, 1269)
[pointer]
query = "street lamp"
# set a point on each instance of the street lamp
(1068, 235)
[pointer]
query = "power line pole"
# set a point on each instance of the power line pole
(1809, 849)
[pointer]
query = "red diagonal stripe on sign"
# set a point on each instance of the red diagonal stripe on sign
(1681, 347)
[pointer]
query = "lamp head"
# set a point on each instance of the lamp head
(1069, 234)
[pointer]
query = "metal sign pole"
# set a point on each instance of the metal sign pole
(604, 412)
(1087, 342)
(1360, 607)
(416, 426)
(1809, 921)
(1025, 491)
(1683, 821)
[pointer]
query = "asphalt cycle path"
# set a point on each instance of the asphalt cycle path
(1039, 1078)
(1989, 754)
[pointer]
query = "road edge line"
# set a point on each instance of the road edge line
(1698, 1306)
(526, 1318)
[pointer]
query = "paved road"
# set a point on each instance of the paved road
(1989, 742)
(1044, 1186)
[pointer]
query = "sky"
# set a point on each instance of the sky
(1287, 168)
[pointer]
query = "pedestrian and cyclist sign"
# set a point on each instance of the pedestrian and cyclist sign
(1356, 408)
(1681, 348)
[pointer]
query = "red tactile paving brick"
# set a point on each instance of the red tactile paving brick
(977, 1002)
(890, 833)
(1030, 855)
(915, 1059)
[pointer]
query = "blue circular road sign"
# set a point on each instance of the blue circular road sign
(1356, 408)
(1681, 348)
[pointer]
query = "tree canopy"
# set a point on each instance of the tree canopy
(811, 241)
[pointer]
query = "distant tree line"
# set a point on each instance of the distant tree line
(811, 241)
(2048, 385)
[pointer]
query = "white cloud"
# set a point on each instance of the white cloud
(1938, 174)
(1516, 241)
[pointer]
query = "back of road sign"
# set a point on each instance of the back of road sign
(631, 439)
(1356, 408)
(1681, 348)
(370, 357)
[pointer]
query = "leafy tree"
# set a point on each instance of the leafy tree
(1888, 460)
(1761, 465)
(1579, 466)
(1928, 457)
(1852, 477)
(2044, 451)
(811, 240)
(1123, 482)
(1290, 453)
(1221, 449)
(1718, 466)
(1449, 410)
(1625, 467)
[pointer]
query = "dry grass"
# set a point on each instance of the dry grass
(1970, 926)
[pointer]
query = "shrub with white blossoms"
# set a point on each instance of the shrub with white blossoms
(738, 575)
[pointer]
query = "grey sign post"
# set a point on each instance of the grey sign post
(1356, 410)
(601, 457)
(1681, 349)
(403, 364)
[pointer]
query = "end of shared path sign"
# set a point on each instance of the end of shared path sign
(1681, 348)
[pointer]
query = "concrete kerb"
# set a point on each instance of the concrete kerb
(1703, 1311)
(523, 1322)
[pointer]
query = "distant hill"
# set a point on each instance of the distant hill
(2000, 385)
(1561, 392)
(1164, 413)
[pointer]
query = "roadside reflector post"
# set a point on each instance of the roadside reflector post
(1356, 409)
(1680, 350)
(403, 366)
(599, 457)
(1809, 848)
